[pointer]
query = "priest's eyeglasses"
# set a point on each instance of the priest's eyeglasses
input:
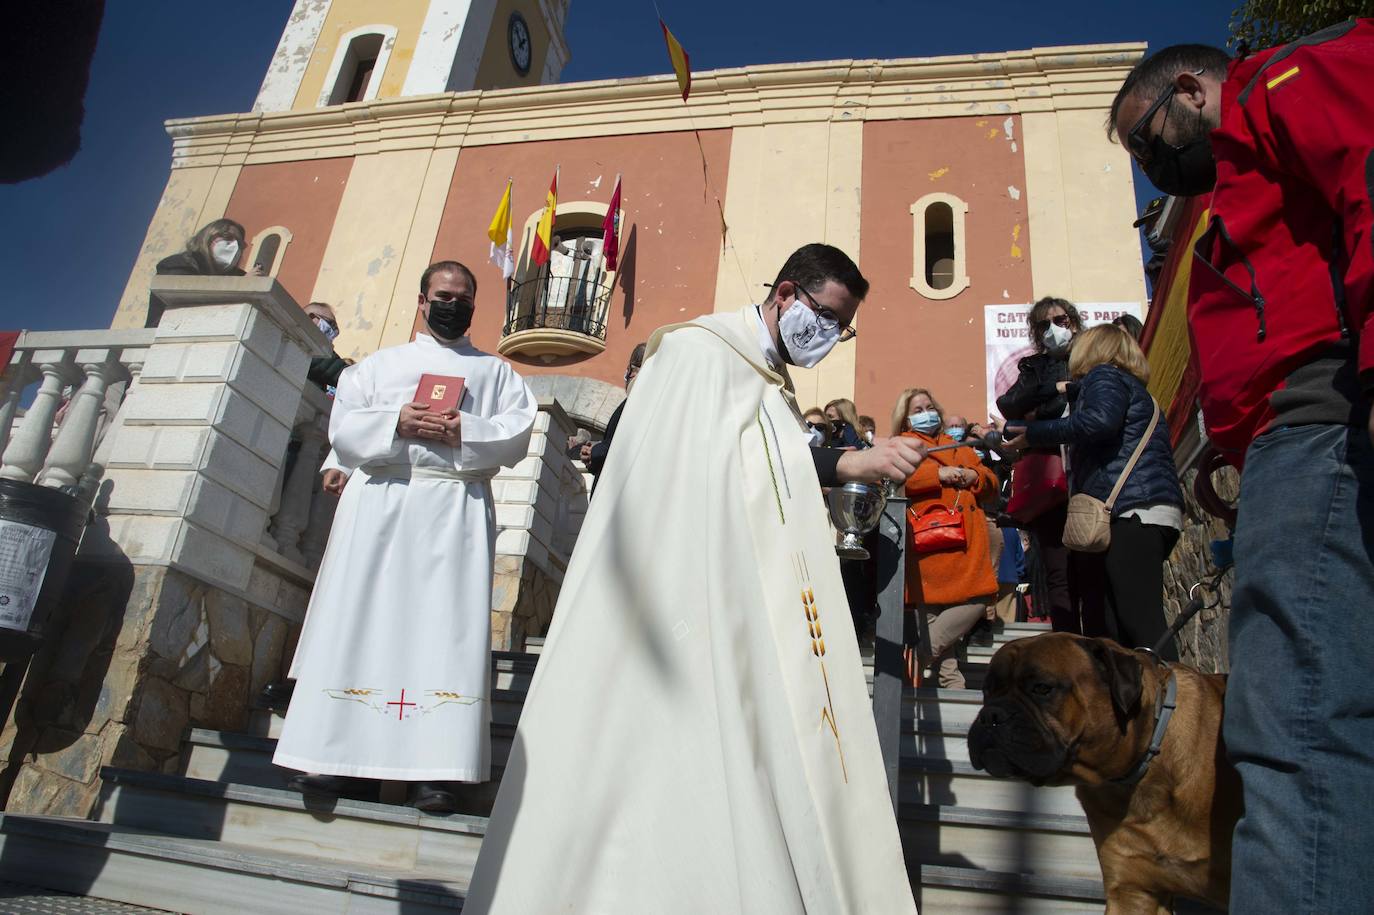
(829, 320)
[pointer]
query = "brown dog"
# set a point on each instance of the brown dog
(1059, 709)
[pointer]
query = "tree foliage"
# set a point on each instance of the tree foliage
(1265, 23)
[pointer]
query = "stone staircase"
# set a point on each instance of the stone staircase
(224, 836)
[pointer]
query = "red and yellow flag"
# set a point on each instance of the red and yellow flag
(610, 229)
(543, 234)
(682, 64)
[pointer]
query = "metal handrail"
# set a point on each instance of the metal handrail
(577, 304)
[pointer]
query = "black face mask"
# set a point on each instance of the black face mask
(450, 320)
(1183, 171)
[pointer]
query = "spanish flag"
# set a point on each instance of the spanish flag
(682, 64)
(502, 252)
(543, 234)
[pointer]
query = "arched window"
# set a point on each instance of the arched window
(560, 307)
(359, 64)
(268, 249)
(938, 257)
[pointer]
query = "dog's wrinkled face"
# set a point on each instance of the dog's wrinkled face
(1056, 710)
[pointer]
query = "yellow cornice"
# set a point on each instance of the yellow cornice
(1038, 79)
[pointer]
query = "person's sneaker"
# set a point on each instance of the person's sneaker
(335, 786)
(432, 797)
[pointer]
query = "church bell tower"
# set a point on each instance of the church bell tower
(333, 52)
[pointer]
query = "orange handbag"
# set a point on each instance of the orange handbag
(937, 528)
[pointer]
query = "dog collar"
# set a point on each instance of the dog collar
(1164, 710)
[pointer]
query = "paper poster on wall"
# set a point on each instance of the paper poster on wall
(1007, 339)
(24, 552)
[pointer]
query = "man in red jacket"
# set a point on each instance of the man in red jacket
(1281, 310)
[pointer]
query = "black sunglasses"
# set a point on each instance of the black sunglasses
(1057, 320)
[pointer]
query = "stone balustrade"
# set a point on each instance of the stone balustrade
(191, 581)
(81, 377)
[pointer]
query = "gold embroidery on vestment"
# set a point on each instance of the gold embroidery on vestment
(813, 626)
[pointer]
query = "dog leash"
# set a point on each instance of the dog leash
(1203, 595)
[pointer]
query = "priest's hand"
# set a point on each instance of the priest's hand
(889, 459)
(408, 423)
(334, 480)
(444, 427)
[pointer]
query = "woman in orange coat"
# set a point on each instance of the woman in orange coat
(950, 587)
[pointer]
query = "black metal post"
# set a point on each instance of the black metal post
(888, 667)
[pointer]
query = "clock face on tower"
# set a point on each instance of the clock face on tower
(518, 33)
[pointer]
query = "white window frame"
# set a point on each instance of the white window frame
(341, 58)
(285, 235)
(959, 209)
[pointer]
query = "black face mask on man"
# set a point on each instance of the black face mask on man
(450, 319)
(1183, 171)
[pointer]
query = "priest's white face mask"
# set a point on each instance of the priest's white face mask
(809, 331)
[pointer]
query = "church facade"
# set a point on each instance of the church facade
(384, 135)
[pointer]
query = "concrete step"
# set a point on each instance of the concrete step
(966, 891)
(206, 876)
(223, 756)
(998, 840)
(270, 821)
(955, 783)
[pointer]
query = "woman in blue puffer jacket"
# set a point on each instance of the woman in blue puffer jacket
(1111, 411)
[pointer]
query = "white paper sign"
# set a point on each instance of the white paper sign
(1007, 339)
(24, 552)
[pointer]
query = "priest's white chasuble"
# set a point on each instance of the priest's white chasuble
(698, 736)
(393, 669)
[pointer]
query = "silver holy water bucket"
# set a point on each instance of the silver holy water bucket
(854, 510)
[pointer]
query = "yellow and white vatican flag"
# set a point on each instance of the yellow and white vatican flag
(502, 250)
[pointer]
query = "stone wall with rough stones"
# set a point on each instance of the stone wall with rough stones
(142, 653)
(1202, 641)
(540, 504)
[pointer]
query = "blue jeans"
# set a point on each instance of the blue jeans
(1299, 721)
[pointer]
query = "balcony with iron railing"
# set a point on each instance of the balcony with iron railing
(552, 316)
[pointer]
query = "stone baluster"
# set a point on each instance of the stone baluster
(74, 444)
(11, 392)
(29, 445)
(322, 506)
(294, 515)
(113, 420)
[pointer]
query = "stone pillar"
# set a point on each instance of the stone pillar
(175, 613)
(533, 516)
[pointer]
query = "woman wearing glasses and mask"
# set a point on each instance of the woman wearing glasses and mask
(1039, 497)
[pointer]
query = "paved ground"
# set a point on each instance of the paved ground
(17, 899)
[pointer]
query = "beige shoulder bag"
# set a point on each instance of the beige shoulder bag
(1088, 528)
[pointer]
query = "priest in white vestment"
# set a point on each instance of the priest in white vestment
(394, 669)
(698, 737)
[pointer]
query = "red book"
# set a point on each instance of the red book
(441, 392)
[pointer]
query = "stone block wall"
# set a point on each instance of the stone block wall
(176, 614)
(1202, 641)
(540, 504)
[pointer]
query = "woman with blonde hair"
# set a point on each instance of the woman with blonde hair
(1112, 412)
(949, 580)
(844, 421)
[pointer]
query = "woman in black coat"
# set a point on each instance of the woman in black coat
(213, 251)
(1112, 410)
(1073, 581)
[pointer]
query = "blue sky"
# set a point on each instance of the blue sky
(69, 239)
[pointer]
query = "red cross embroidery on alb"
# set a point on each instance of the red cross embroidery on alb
(401, 705)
